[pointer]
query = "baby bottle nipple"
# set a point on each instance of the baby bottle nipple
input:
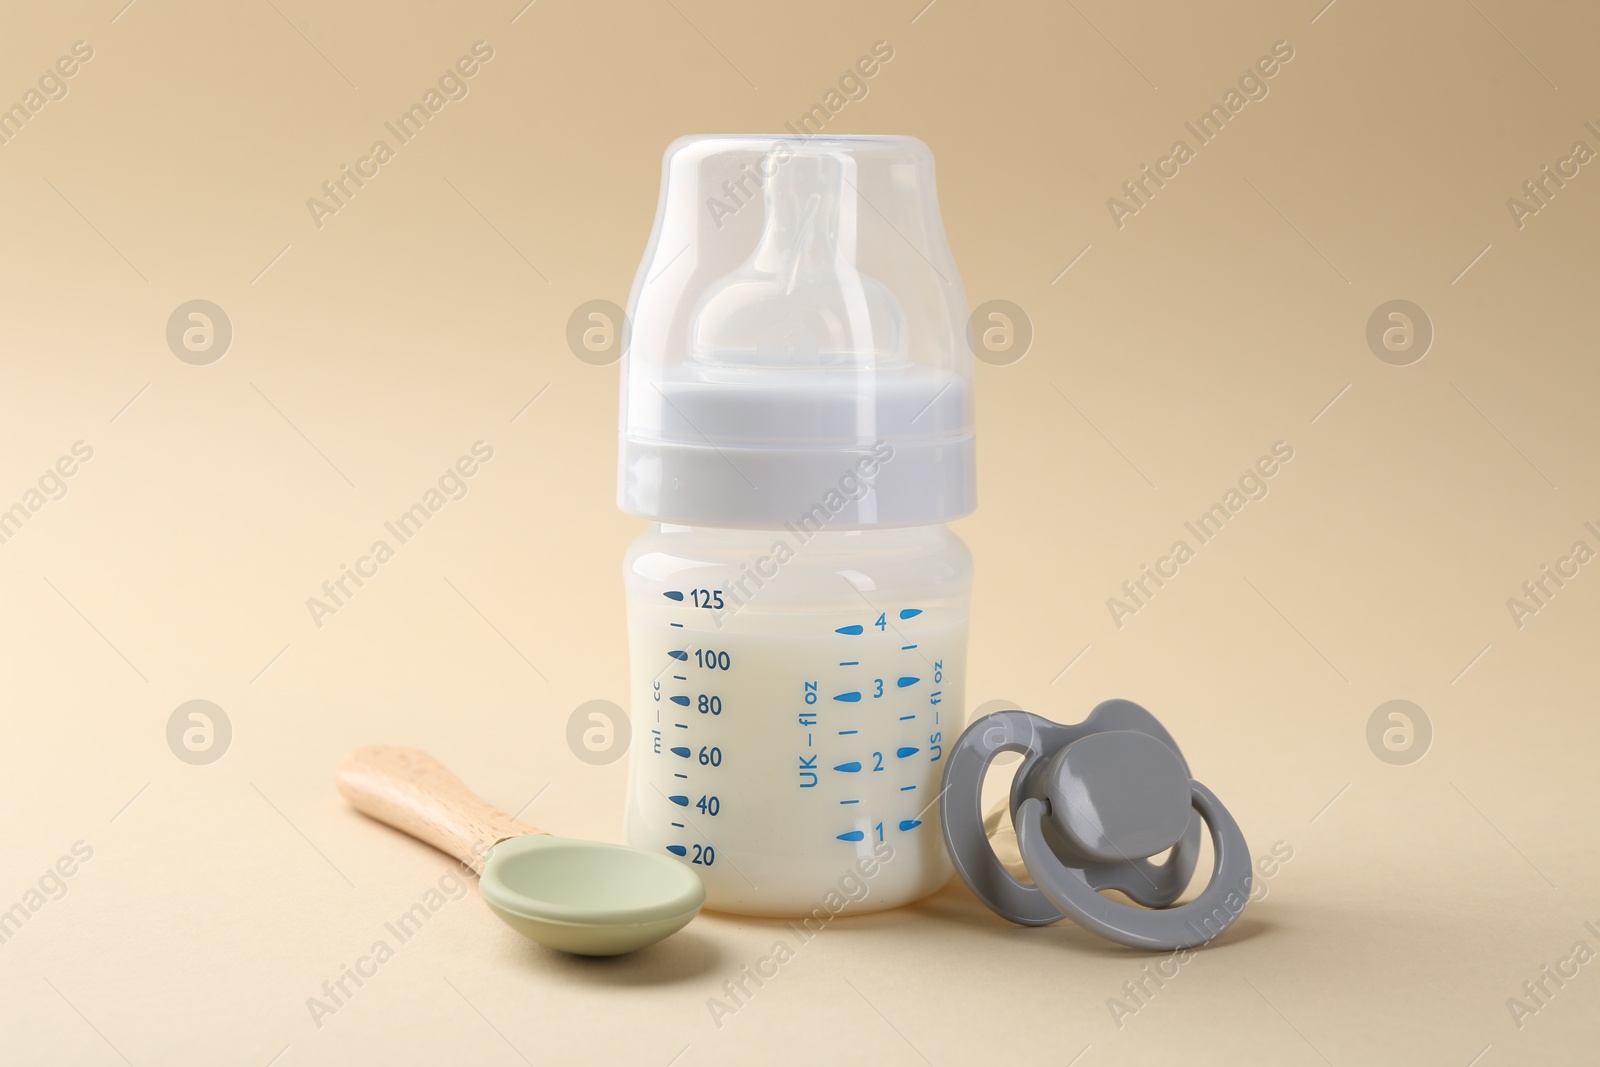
(799, 301)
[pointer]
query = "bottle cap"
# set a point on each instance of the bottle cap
(797, 348)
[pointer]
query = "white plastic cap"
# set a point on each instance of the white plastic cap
(798, 340)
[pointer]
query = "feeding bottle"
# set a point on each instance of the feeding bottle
(797, 425)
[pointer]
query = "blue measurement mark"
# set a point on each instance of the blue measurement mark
(907, 680)
(904, 718)
(848, 698)
(849, 768)
(850, 630)
(679, 678)
(849, 801)
(673, 594)
(681, 725)
(677, 850)
(843, 733)
(681, 701)
(910, 824)
(910, 613)
(681, 750)
(854, 835)
(907, 751)
(907, 648)
(675, 774)
(679, 625)
(679, 825)
(849, 663)
(678, 653)
(906, 787)
(681, 801)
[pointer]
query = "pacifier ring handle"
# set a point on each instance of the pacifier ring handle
(1186, 926)
(961, 812)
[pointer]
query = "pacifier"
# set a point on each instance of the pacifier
(1092, 802)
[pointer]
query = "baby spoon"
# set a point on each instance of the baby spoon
(585, 897)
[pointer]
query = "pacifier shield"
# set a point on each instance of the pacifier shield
(1119, 795)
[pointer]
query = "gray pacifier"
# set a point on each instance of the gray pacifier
(1091, 803)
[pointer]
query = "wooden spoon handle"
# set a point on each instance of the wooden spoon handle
(413, 792)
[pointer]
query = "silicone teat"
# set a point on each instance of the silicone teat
(799, 301)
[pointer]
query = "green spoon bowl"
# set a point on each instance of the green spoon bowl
(588, 897)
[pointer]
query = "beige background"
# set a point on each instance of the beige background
(424, 316)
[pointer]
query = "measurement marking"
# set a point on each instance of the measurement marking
(907, 718)
(849, 801)
(680, 800)
(849, 768)
(906, 751)
(849, 663)
(681, 701)
(905, 788)
(681, 750)
(673, 594)
(679, 825)
(910, 824)
(853, 835)
(678, 654)
(679, 678)
(848, 698)
(910, 613)
(907, 680)
(843, 733)
(907, 648)
(677, 850)
(679, 625)
(850, 631)
(676, 775)
(680, 725)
